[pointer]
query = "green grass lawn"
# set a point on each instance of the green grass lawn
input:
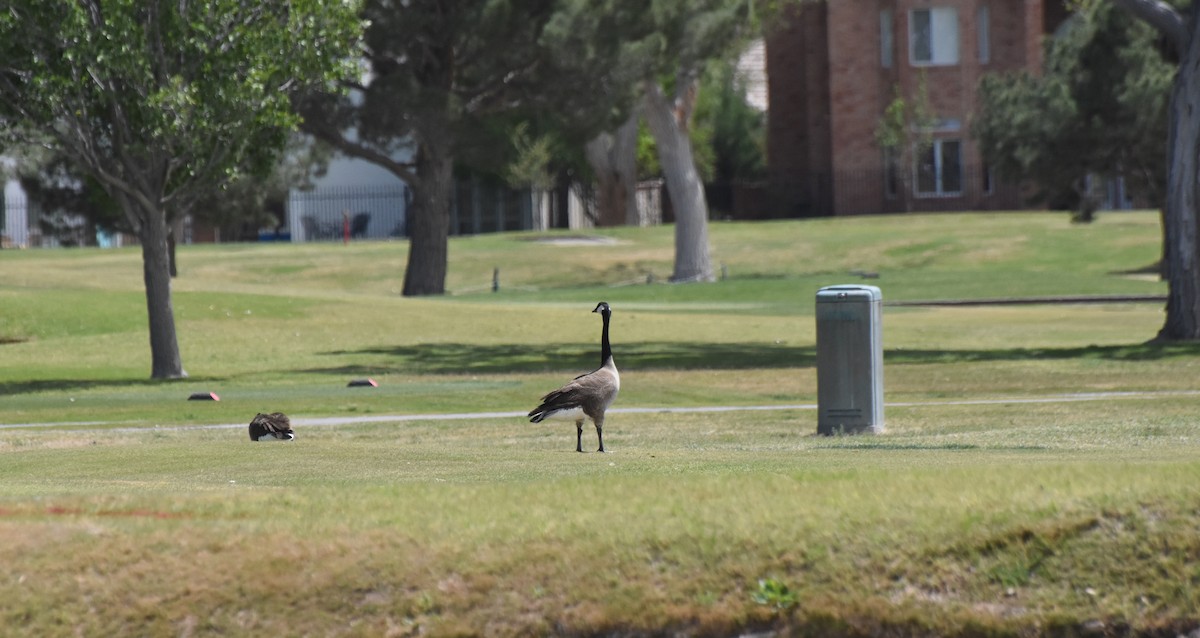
(1038, 474)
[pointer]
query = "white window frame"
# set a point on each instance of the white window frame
(887, 43)
(937, 146)
(983, 26)
(943, 36)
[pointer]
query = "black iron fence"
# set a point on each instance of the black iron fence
(334, 213)
(877, 190)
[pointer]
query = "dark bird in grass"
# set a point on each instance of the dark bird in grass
(271, 427)
(588, 395)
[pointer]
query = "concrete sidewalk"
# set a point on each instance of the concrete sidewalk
(473, 416)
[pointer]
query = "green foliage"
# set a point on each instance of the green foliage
(647, 154)
(56, 186)
(166, 100)
(1099, 108)
(694, 32)
(773, 593)
(534, 156)
(160, 102)
(734, 143)
(460, 79)
(1017, 563)
(907, 123)
(246, 203)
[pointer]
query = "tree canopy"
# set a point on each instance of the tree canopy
(676, 41)
(443, 84)
(160, 102)
(1099, 109)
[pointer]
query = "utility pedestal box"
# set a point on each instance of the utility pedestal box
(849, 360)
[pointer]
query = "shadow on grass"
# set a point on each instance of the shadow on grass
(1129, 352)
(8, 388)
(462, 358)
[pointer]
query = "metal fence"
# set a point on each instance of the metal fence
(331, 213)
(14, 223)
(484, 206)
(873, 191)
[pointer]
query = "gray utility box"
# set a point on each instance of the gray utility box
(849, 360)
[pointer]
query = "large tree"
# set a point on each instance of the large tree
(160, 101)
(677, 39)
(1098, 109)
(442, 83)
(1181, 32)
(612, 156)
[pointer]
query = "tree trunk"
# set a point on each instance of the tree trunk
(613, 158)
(164, 346)
(669, 125)
(174, 268)
(1180, 240)
(1183, 194)
(429, 224)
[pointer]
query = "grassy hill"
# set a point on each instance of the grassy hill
(1037, 475)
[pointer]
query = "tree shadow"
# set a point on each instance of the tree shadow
(9, 388)
(1127, 352)
(464, 358)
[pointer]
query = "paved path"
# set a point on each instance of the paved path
(1028, 301)
(471, 416)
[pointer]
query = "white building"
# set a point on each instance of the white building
(370, 198)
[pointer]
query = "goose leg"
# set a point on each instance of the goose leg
(600, 434)
(579, 435)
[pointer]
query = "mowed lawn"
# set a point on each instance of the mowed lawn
(1038, 474)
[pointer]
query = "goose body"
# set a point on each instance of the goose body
(271, 427)
(587, 396)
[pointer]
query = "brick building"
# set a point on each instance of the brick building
(834, 66)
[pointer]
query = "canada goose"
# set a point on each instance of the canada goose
(271, 427)
(588, 395)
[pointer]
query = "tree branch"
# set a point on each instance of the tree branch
(335, 138)
(1162, 16)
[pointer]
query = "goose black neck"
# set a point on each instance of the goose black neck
(605, 348)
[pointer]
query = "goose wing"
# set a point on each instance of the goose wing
(273, 423)
(591, 392)
(277, 423)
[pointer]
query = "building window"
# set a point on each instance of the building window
(933, 36)
(983, 25)
(885, 38)
(989, 182)
(939, 168)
